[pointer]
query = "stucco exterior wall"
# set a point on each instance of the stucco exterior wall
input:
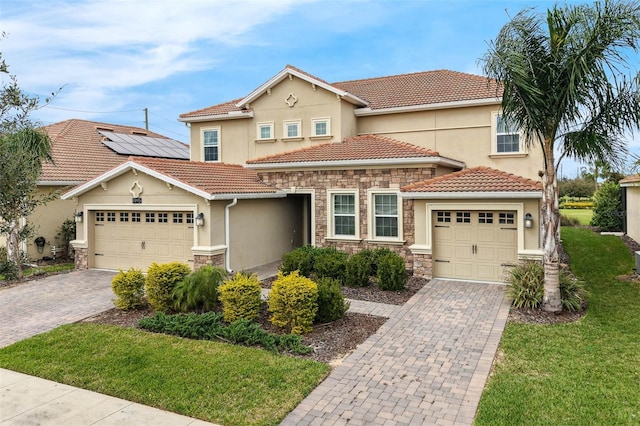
(47, 220)
(235, 145)
(633, 212)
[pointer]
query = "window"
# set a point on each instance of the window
(443, 217)
(150, 217)
(344, 208)
(265, 130)
(320, 127)
(135, 217)
(507, 136)
(99, 216)
(124, 217)
(211, 144)
(163, 217)
(385, 210)
(485, 217)
(190, 218)
(463, 217)
(177, 218)
(506, 218)
(111, 216)
(292, 129)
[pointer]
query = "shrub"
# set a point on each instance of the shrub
(392, 274)
(607, 212)
(572, 292)
(577, 205)
(240, 297)
(330, 263)
(376, 256)
(9, 270)
(199, 290)
(525, 285)
(3, 254)
(209, 326)
(160, 282)
(293, 301)
(129, 289)
(299, 259)
(66, 233)
(331, 303)
(569, 221)
(358, 269)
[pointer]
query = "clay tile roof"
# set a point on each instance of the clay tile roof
(476, 179)
(223, 108)
(631, 179)
(421, 88)
(212, 178)
(77, 150)
(366, 147)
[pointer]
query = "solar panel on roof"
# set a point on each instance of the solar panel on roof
(145, 146)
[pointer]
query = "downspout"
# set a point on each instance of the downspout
(227, 236)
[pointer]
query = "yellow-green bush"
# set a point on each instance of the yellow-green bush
(129, 289)
(293, 301)
(160, 282)
(577, 205)
(240, 297)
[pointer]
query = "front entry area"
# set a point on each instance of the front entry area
(124, 239)
(474, 245)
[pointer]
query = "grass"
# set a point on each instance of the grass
(47, 269)
(583, 215)
(582, 373)
(213, 381)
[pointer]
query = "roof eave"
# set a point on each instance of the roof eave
(249, 196)
(233, 115)
(426, 107)
(58, 182)
(364, 163)
(288, 71)
(630, 184)
(471, 195)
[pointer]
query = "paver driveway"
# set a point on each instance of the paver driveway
(426, 365)
(42, 305)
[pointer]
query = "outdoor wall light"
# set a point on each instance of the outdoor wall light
(200, 219)
(78, 217)
(528, 220)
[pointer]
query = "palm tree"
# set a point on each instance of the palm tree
(568, 85)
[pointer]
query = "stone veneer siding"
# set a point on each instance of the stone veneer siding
(322, 180)
(81, 258)
(214, 260)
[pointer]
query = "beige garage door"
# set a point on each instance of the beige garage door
(474, 245)
(124, 239)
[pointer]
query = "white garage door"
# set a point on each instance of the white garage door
(124, 239)
(474, 245)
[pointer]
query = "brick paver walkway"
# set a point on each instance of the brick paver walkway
(42, 305)
(426, 365)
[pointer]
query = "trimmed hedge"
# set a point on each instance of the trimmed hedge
(161, 281)
(392, 274)
(577, 205)
(329, 262)
(300, 259)
(358, 269)
(331, 303)
(293, 301)
(240, 297)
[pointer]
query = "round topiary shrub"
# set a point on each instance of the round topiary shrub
(330, 263)
(199, 290)
(392, 274)
(358, 269)
(161, 281)
(129, 289)
(240, 297)
(331, 303)
(299, 259)
(293, 301)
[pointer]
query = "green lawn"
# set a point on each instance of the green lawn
(582, 373)
(58, 267)
(583, 215)
(212, 381)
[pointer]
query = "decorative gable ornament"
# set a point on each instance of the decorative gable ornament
(291, 100)
(136, 189)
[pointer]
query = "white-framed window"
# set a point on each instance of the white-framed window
(343, 215)
(320, 127)
(507, 136)
(211, 144)
(292, 129)
(385, 209)
(265, 130)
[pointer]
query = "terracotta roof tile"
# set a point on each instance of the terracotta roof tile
(366, 147)
(77, 150)
(223, 108)
(477, 179)
(631, 179)
(212, 178)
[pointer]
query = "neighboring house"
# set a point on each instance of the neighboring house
(419, 163)
(631, 205)
(82, 150)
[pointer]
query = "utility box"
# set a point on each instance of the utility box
(638, 262)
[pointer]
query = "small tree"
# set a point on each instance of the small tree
(607, 212)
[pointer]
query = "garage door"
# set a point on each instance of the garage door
(124, 239)
(474, 245)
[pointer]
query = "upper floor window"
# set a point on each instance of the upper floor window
(320, 127)
(292, 129)
(507, 136)
(265, 130)
(211, 144)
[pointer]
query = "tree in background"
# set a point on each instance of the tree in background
(582, 187)
(607, 210)
(23, 148)
(569, 87)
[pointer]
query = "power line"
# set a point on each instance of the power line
(159, 116)
(92, 112)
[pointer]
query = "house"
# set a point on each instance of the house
(631, 205)
(81, 150)
(419, 163)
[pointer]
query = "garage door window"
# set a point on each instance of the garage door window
(150, 217)
(163, 217)
(485, 217)
(99, 216)
(135, 217)
(506, 218)
(443, 217)
(124, 217)
(463, 217)
(177, 218)
(190, 218)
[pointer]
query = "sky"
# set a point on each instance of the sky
(112, 59)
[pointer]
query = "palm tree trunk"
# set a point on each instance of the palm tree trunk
(550, 223)
(14, 254)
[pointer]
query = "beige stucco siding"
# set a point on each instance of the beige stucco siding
(234, 140)
(47, 220)
(633, 212)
